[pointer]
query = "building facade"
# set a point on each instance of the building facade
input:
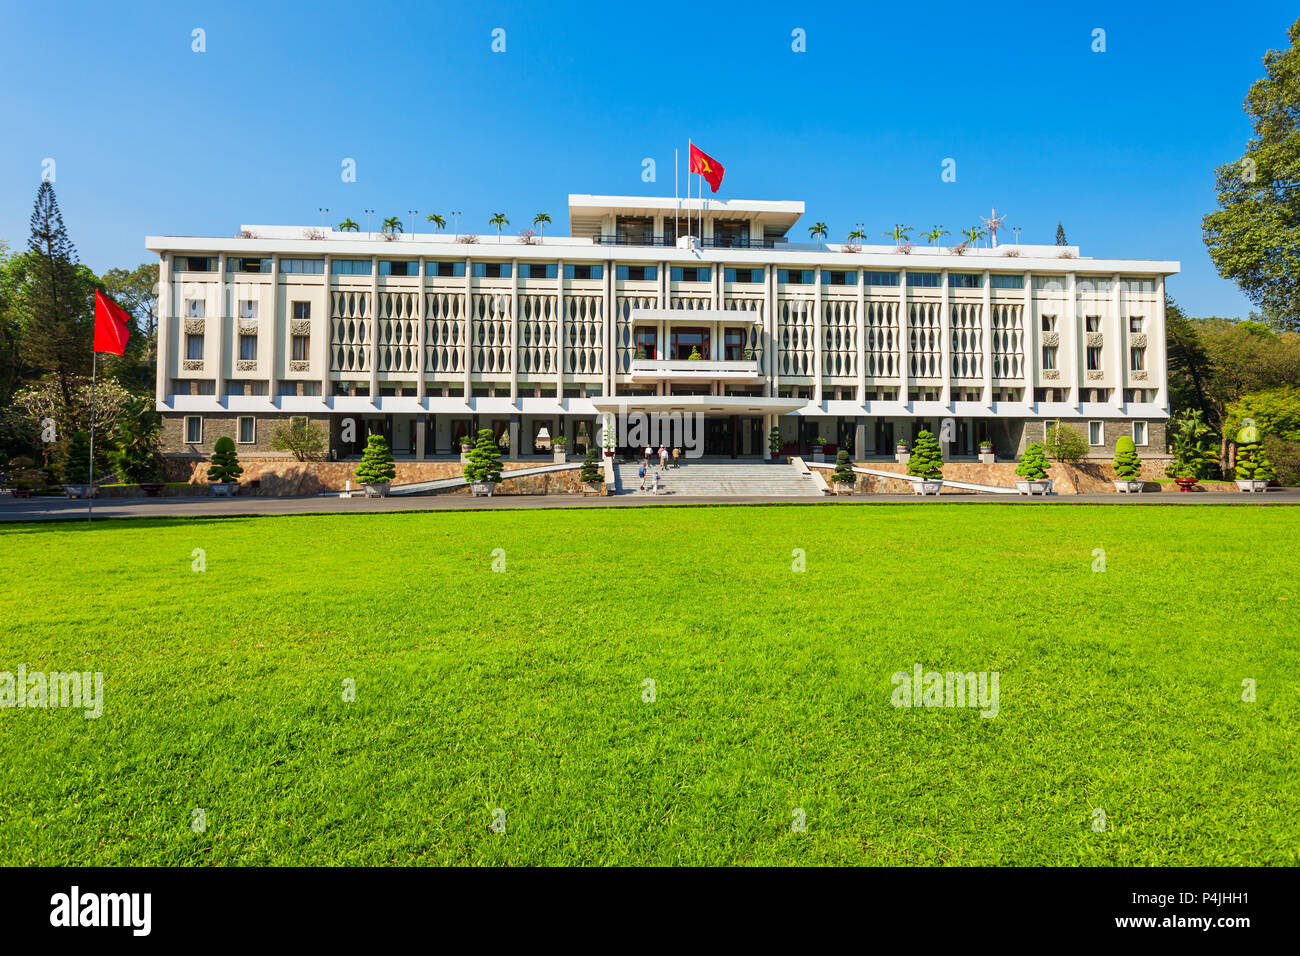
(708, 311)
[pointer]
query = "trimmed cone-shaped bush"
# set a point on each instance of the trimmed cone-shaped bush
(774, 442)
(376, 463)
(843, 474)
(1033, 463)
(225, 463)
(926, 460)
(1127, 463)
(76, 464)
(484, 462)
(591, 473)
(1253, 463)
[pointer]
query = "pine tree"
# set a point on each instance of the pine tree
(1033, 463)
(76, 464)
(225, 463)
(591, 473)
(1060, 235)
(843, 474)
(376, 466)
(484, 459)
(926, 460)
(1127, 464)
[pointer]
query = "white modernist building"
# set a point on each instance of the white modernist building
(674, 306)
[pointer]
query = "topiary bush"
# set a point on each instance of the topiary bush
(1033, 463)
(843, 474)
(76, 463)
(376, 466)
(591, 472)
(1253, 464)
(774, 442)
(1128, 466)
(225, 463)
(926, 460)
(484, 462)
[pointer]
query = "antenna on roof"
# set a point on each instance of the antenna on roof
(993, 223)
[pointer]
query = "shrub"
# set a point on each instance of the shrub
(695, 354)
(591, 473)
(1253, 463)
(1192, 446)
(774, 442)
(136, 457)
(302, 438)
(1033, 463)
(76, 463)
(225, 463)
(926, 460)
(484, 462)
(24, 475)
(559, 441)
(1285, 456)
(1127, 463)
(1064, 443)
(376, 462)
(843, 474)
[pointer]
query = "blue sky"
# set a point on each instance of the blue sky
(150, 137)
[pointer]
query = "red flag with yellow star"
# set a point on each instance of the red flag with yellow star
(706, 166)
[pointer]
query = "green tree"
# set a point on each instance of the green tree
(500, 221)
(377, 466)
(347, 225)
(540, 221)
(818, 231)
(305, 440)
(439, 224)
(591, 472)
(1273, 411)
(972, 235)
(1193, 443)
(926, 460)
(1253, 463)
(774, 443)
(1254, 236)
(844, 474)
(136, 291)
(135, 456)
(484, 462)
(1060, 235)
(76, 462)
(1033, 464)
(1127, 464)
(391, 225)
(935, 234)
(1063, 443)
(900, 234)
(1189, 366)
(225, 463)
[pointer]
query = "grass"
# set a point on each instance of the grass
(523, 689)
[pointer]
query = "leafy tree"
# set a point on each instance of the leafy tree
(499, 220)
(1064, 443)
(304, 439)
(225, 463)
(591, 472)
(926, 460)
(844, 474)
(484, 462)
(439, 223)
(1033, 465)
(1192, 445)
(774, 443)
(1189, 366)
(1253, 463)
(136, 291)
(1254, 235)
(1273, 411)
(540, 221)
(347, 225)
(1127, 464)
(136, 457)
(818, 231)
(76, 463)
(376, 465)
(900, 234)
(935, 234)
(391, 225)
(972, 235)
(1060, 235)
(43, 400)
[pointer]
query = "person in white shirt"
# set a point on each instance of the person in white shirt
(656, 483)
(663, 457)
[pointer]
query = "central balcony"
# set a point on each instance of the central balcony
(712, 370)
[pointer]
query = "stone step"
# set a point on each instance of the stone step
(720, 480)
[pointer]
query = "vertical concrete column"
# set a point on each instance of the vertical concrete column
(559, 333)
(945, 341)
(468, 315)
(986, 340)
(1118, 342)
(321, 349)
(1159, 374)
(862, 347)
(219, 355)
(272, 336)
(1029, 339)
(514, 335)
(374, 330)
(817, 335)
(164, 365)
(904, 340)
(608, 329)
(770, 347)
(419, 350)
(1073, 333)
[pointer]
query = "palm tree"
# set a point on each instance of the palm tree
(972, 235)
(499, 220)
(438, 222)
(540, 220)
(856, 236)
(347, 225)
(900, 234)
(935, 234)
(392, 224)
(817, 231)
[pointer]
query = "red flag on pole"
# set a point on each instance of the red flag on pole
(112, 326)
(706, 166)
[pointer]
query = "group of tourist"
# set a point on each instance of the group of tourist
(647, 471)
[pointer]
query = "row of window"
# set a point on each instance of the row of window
(1092, 323)
(1137, 358)
(299, 347)
(197, 309)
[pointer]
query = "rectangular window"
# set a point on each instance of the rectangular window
(248, 348)
(794, 276)
(1049, 356)
(999, 280)
(255, 266)
(399, 267)
(248, 308)
(639, 273)
(536, 270)
(1049, 323)
(584, 272)
(692, 273)
(1092, 323)
(744, 275)
(965, 280)
(350, 267)
(445, 270)
(1136, 324)
(839, 277)
(686, 341)
(925, 280)
(193, 430)
(1096, 433)
(1049, 283)
(307, 267)
(301, 348)
(1137, 359)
(194, 264)
(880, 278)
(194, 347)
(733, 344)
(492, 270)
(647, 342)
(302, 310)
(1138, 285)
(247, 429)
(194, 308)
(1092, 284)
(1094, 358)
(1139, 433)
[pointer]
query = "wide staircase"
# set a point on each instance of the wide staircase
(720, 479)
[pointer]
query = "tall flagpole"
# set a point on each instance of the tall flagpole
(90, 492)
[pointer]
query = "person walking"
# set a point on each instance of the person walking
(677, 454)
(641, 473)
(647, 455)
(663, 457)
(656, 483)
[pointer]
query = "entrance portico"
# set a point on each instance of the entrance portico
(728, 426)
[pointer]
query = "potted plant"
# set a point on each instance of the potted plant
(483, 470)
(1128, 467)
(558, 444)
(987, 456)
(817, 443)
(224, 472)
(377, 470)
(843, 477)
(926, 463)
(1033, 468)
(1254, 470)
(591, 475)
(774, 444)
(695, 355)
(608, 438)
(900, 451)
(465, 442)
(76, 467)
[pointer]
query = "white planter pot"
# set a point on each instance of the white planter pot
(1041, 487)
(928, 486)
(77, 491)
(901, 455)
(482, 489)
(819, 457)
(223, 489)
(987, 457)
(595, 488)
(1125, 486)
(1248, 485)
(378, 490)
(844, 488)
(560, 457)
(464, 456)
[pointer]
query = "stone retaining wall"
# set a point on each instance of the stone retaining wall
(285, 476)
(1082, 478)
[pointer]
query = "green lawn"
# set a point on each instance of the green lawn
(523, 689)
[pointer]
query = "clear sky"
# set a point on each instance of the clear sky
(150, 137)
